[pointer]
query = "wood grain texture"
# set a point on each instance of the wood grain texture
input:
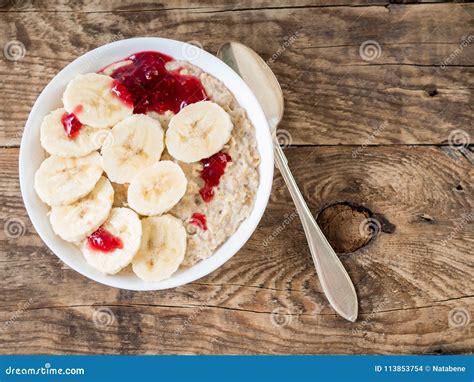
(419, 88)
(375, 153)
(190, 5)
(164, 6)
(267, 299)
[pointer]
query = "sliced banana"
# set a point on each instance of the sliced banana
(157, 189)
(61, 181)
(56, 142)
(92, 99)
(162, 248)
(198, 131)
(110, 69)
(124, 224)
(78, 220)
(136, 143)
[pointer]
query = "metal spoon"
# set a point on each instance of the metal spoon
(334, 279)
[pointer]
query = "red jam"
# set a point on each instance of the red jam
(154, 88)
(212, 170)
(104, 241)
(122, 93)
(199, 220)
(71, 125)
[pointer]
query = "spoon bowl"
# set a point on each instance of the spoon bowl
(258, 76)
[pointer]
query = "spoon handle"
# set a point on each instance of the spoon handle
(334, 279)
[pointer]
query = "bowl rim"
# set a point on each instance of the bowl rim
(92, 60)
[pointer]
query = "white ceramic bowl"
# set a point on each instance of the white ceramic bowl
(32, 154)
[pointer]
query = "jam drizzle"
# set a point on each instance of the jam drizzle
(152, 87)
(121, 92)
(104, 241)
(71, 125)
(212, 170)
(199, 220)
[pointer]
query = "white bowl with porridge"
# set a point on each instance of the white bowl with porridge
(146, 164)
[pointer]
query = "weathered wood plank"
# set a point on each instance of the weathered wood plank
(333, 96)
(131, 329)
(410, 279)
(190, 6)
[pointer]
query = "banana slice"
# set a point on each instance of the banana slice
(78, 220)
(56, 142)
(94, 99)
(136, 143)
(157, 189)
(162, 248)
(61, 181)
(125, 225)
(198, 131)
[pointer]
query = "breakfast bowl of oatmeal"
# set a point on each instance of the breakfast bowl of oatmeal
(146, 164)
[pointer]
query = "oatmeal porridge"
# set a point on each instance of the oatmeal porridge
(153, 164)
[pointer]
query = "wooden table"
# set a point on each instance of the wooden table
(379, 114)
